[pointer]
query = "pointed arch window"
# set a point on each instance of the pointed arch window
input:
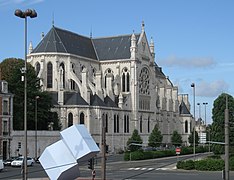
(106, 123)
(125, 80)
(49, 75)
(141, 123)
(116, 123)
(82, 120)
(148, 124)
(186, 127)
(38, 68)
(126, 124)
(70, 119)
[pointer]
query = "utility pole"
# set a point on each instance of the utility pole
(103, 165)
(226, 125)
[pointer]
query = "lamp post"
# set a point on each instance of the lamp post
(36, 98)
(205, 103)
(194, 137)
(24, 14)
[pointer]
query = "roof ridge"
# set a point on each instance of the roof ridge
(60, 40)
(115, 36)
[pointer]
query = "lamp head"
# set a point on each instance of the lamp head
(19, 13)
(192, 85)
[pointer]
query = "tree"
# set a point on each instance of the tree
(155, 138)
(217, 127)
(134, 140)
(11, 72)
(176, 139)
(191, 138)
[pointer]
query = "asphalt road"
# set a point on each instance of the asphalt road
(117, 169)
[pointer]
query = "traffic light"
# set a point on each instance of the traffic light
(91, 163)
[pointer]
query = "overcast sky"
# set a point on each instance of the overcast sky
(194, 39)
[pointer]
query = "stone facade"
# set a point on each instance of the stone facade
(6, 119)
(112, 82)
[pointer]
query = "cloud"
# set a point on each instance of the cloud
(213, 89)
(199, 62)
(19, 2)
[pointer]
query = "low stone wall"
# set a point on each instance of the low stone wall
(44, 139)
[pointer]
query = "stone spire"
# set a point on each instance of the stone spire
(142, 26)
(30, 49)
(152, 47)
(133, 48)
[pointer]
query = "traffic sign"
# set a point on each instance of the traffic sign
(178, 150)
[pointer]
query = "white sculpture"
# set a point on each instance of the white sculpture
(60, 160)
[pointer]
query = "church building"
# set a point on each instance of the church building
(111, 82)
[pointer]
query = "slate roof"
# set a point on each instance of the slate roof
(117, 47)
(73, 98)
(109, 102)
(95, 100)
(107, 48)
(183, 108)
(70, 98)
(63, 41)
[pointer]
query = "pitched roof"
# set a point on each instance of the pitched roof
(70, 98)
(73, 98)
(106, 48)
(115, 47)
(109, 102)
(183, 108)
(63, 41)
(95, 100)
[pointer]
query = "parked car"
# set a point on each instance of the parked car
(1, 165)
(8, 161)
(19, 161)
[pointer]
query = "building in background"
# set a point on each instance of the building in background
(110, 81)
(6, 120)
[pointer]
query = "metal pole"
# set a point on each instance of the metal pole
(226, 125)
(103, 168)
(25, 104)
(36, 127)
(194, 137)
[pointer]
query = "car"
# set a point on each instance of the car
(19, 161)
(8, 161)
(1, 165)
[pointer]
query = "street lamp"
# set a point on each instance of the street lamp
(36, 98)
(194, 137)
(24, 14)
(205, 111)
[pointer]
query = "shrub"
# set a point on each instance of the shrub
(209, 165)
(187, 165)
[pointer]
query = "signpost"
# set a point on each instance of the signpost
(178, 150)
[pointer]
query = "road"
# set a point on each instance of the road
(117, 169)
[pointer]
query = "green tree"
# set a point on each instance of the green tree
(11, 72)
(191, 138)
(217, 127)
(155, 138)
(134, 141)
(176, 139)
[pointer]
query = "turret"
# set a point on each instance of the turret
(133, 48)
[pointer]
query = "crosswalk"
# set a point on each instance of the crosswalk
(147, 169)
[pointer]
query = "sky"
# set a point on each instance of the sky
(194, 39)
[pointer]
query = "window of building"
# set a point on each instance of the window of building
(38, 68)
(5, 107)
(126, 124)
(70, 119)
(141, 123)
(186, 127)
(49, 75)
(144, 81)
(148, 124)
(116, 123)
(72, 84)
(125, 80)
(82, 120)
(5, 129)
